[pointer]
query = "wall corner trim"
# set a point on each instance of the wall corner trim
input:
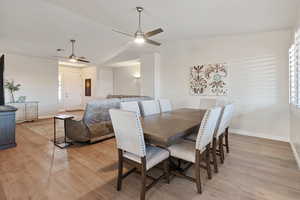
(296, 155)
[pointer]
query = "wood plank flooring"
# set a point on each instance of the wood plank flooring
(255, 169)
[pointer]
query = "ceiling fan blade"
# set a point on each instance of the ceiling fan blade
(153, 42)
(154, 32)
(81, 60)
(127, 34)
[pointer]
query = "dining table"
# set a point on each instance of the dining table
(167, 128)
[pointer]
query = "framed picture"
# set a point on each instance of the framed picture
(88, 87)
(209, 80)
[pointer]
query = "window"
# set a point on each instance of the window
(294, 71)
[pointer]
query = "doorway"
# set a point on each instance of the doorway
(70, 88)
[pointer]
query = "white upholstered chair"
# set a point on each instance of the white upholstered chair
(206, 103)
(165, 105)
(132, 148)
(194, 152)
(131, 106)
(221, 132)
(150, 107)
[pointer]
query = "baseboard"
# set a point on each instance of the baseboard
(296, 155)
(259, 135)
(46, 116)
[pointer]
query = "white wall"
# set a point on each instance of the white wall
(127, 80)
(258, 69)
(39, 80)
(105, 82)
(150, 64)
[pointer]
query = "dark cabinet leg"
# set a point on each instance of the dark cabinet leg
(143, 173)
(197, 172)
(54, 139)
(120, 170)
(65, 129)
(207, 155)
(214, 154)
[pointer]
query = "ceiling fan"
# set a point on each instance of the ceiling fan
(139, 36)
(73, 58)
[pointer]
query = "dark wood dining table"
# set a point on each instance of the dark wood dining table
(167, 128)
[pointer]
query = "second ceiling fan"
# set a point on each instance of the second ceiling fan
(73, 58)
(139, 36)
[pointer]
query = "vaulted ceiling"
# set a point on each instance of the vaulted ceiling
(39, 27)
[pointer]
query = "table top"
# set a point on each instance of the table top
(167, 128)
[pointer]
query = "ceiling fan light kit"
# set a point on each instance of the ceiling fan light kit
(139, 39)
(72, 60)
(139, 36)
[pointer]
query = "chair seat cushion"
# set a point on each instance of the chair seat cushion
(184, 150)
(154, 155)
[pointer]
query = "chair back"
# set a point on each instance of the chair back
(165, 105)
(150, 107)
(207, 127)
(128, 131)
(225, 120)
(132, 106)
(206, 103)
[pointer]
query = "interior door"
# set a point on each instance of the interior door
(72, 90)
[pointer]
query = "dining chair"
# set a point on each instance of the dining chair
(196, 152)
(150, 107)
(220, 133)
(165, 105)
(131, 106)
(132, 149)
(207, 103)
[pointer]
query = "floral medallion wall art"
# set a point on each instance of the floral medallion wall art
(209, 80)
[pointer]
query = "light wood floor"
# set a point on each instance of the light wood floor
(256, 169)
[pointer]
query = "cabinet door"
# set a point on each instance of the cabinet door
(7, 128)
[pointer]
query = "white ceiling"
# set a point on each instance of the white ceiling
(38, 27)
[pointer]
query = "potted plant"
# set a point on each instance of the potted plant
(12, 87)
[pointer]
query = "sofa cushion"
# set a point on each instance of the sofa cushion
(96, 116)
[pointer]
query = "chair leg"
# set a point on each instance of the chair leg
(208, 161)
(167, 170)
(197, 172)
(214, 154)
(226, 140)
(221, 148)
(120, 170)
(143, 173)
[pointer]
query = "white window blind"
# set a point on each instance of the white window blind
(294, 71)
